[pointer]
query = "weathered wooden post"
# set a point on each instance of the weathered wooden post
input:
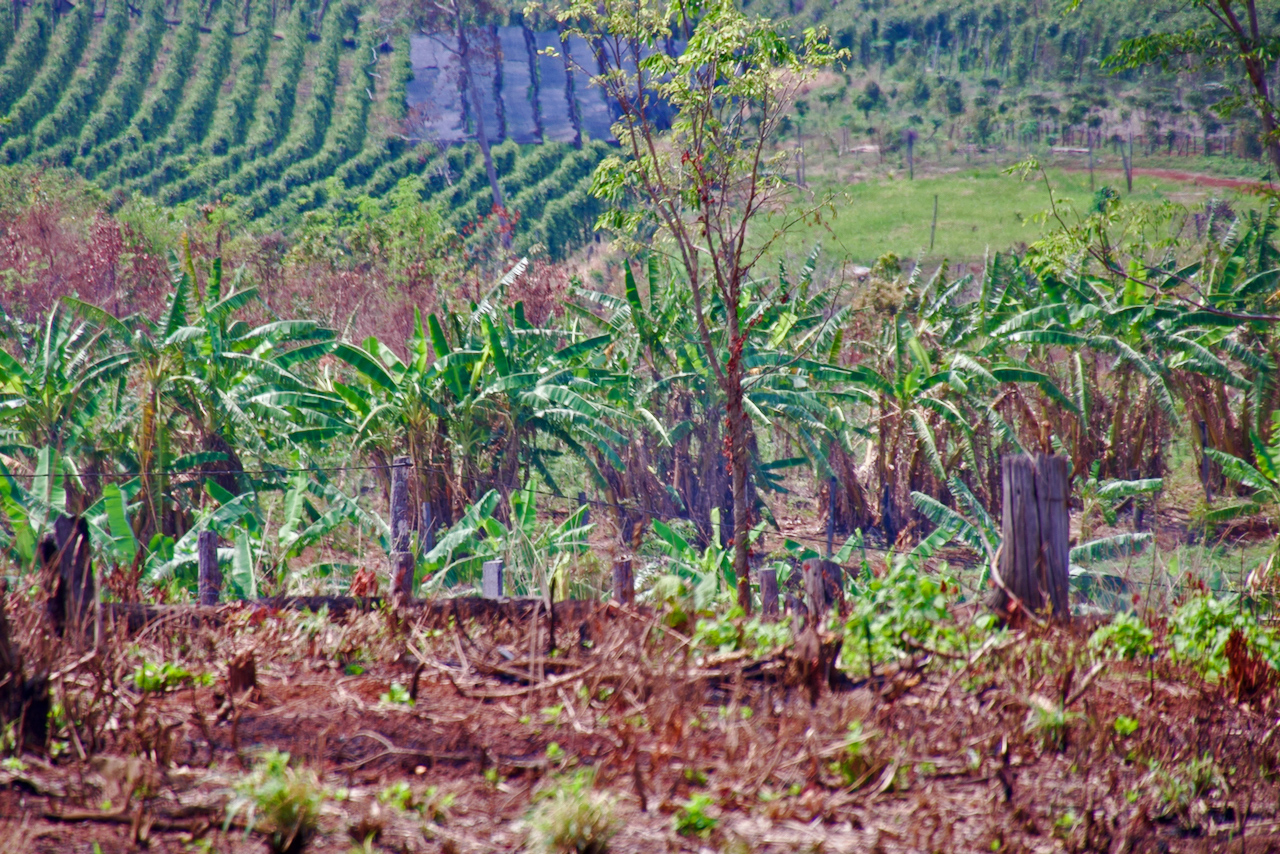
(401, 556)
(210, 579)
(769, 593)
(491, 579)
(1033, 571)
(624, 582)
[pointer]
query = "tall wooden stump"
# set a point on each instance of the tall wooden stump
(65, 555)
(769, 593)
(1034, 560)
(210, 578)
(401, 556)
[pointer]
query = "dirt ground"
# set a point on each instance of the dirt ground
(1016, 745)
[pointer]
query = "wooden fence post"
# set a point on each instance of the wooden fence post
(210, 579)
(624, 583)
(491, 579)
(769, 593)
(1033, 573)
(402, 560)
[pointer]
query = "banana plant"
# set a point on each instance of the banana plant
(674, 451)
(1261, 478)
(537, 555)
(51, 394)
(481, 399)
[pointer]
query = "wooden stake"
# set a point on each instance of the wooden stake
(427, 528)
(769, 593)
(624, 582)
(210, 578)
(401, 557)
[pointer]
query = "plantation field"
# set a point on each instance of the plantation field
(273, 111)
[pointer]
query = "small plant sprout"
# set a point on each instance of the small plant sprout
(694, 817)
(855, 764)
(571, 817)
(1125, 726)
(1050, 721)
(397, 695)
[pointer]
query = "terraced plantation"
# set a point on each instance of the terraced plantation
(277, 110)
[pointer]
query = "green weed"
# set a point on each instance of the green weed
(281, 799)
(573, 818)
(694, 817)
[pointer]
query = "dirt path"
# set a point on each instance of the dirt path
(1196, 178)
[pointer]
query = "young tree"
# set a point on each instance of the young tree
(1233, 35)
(712, 189)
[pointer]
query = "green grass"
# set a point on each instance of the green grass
(979, 210)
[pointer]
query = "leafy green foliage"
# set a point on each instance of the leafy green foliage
(1200, 627)
(694, 817)
(1126, 637)
(24, 60)
(165, 676)
(282, 799)
(906, 605)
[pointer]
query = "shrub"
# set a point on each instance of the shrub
(280, 798)
(573, 818)
(1200, 628)
(1125, 638)
(125, 96)
(24, 60)
(84, 92)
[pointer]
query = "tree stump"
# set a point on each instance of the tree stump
(242, 674)
(1034, 565)
(65, 555)
(210, 578)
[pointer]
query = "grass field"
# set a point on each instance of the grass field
(979, 210)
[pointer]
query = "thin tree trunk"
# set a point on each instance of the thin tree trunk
(738, 471)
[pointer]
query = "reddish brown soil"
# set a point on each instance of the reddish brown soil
(1195, 178)
(953, 759)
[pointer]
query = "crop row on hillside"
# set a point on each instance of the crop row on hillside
(277, 110)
